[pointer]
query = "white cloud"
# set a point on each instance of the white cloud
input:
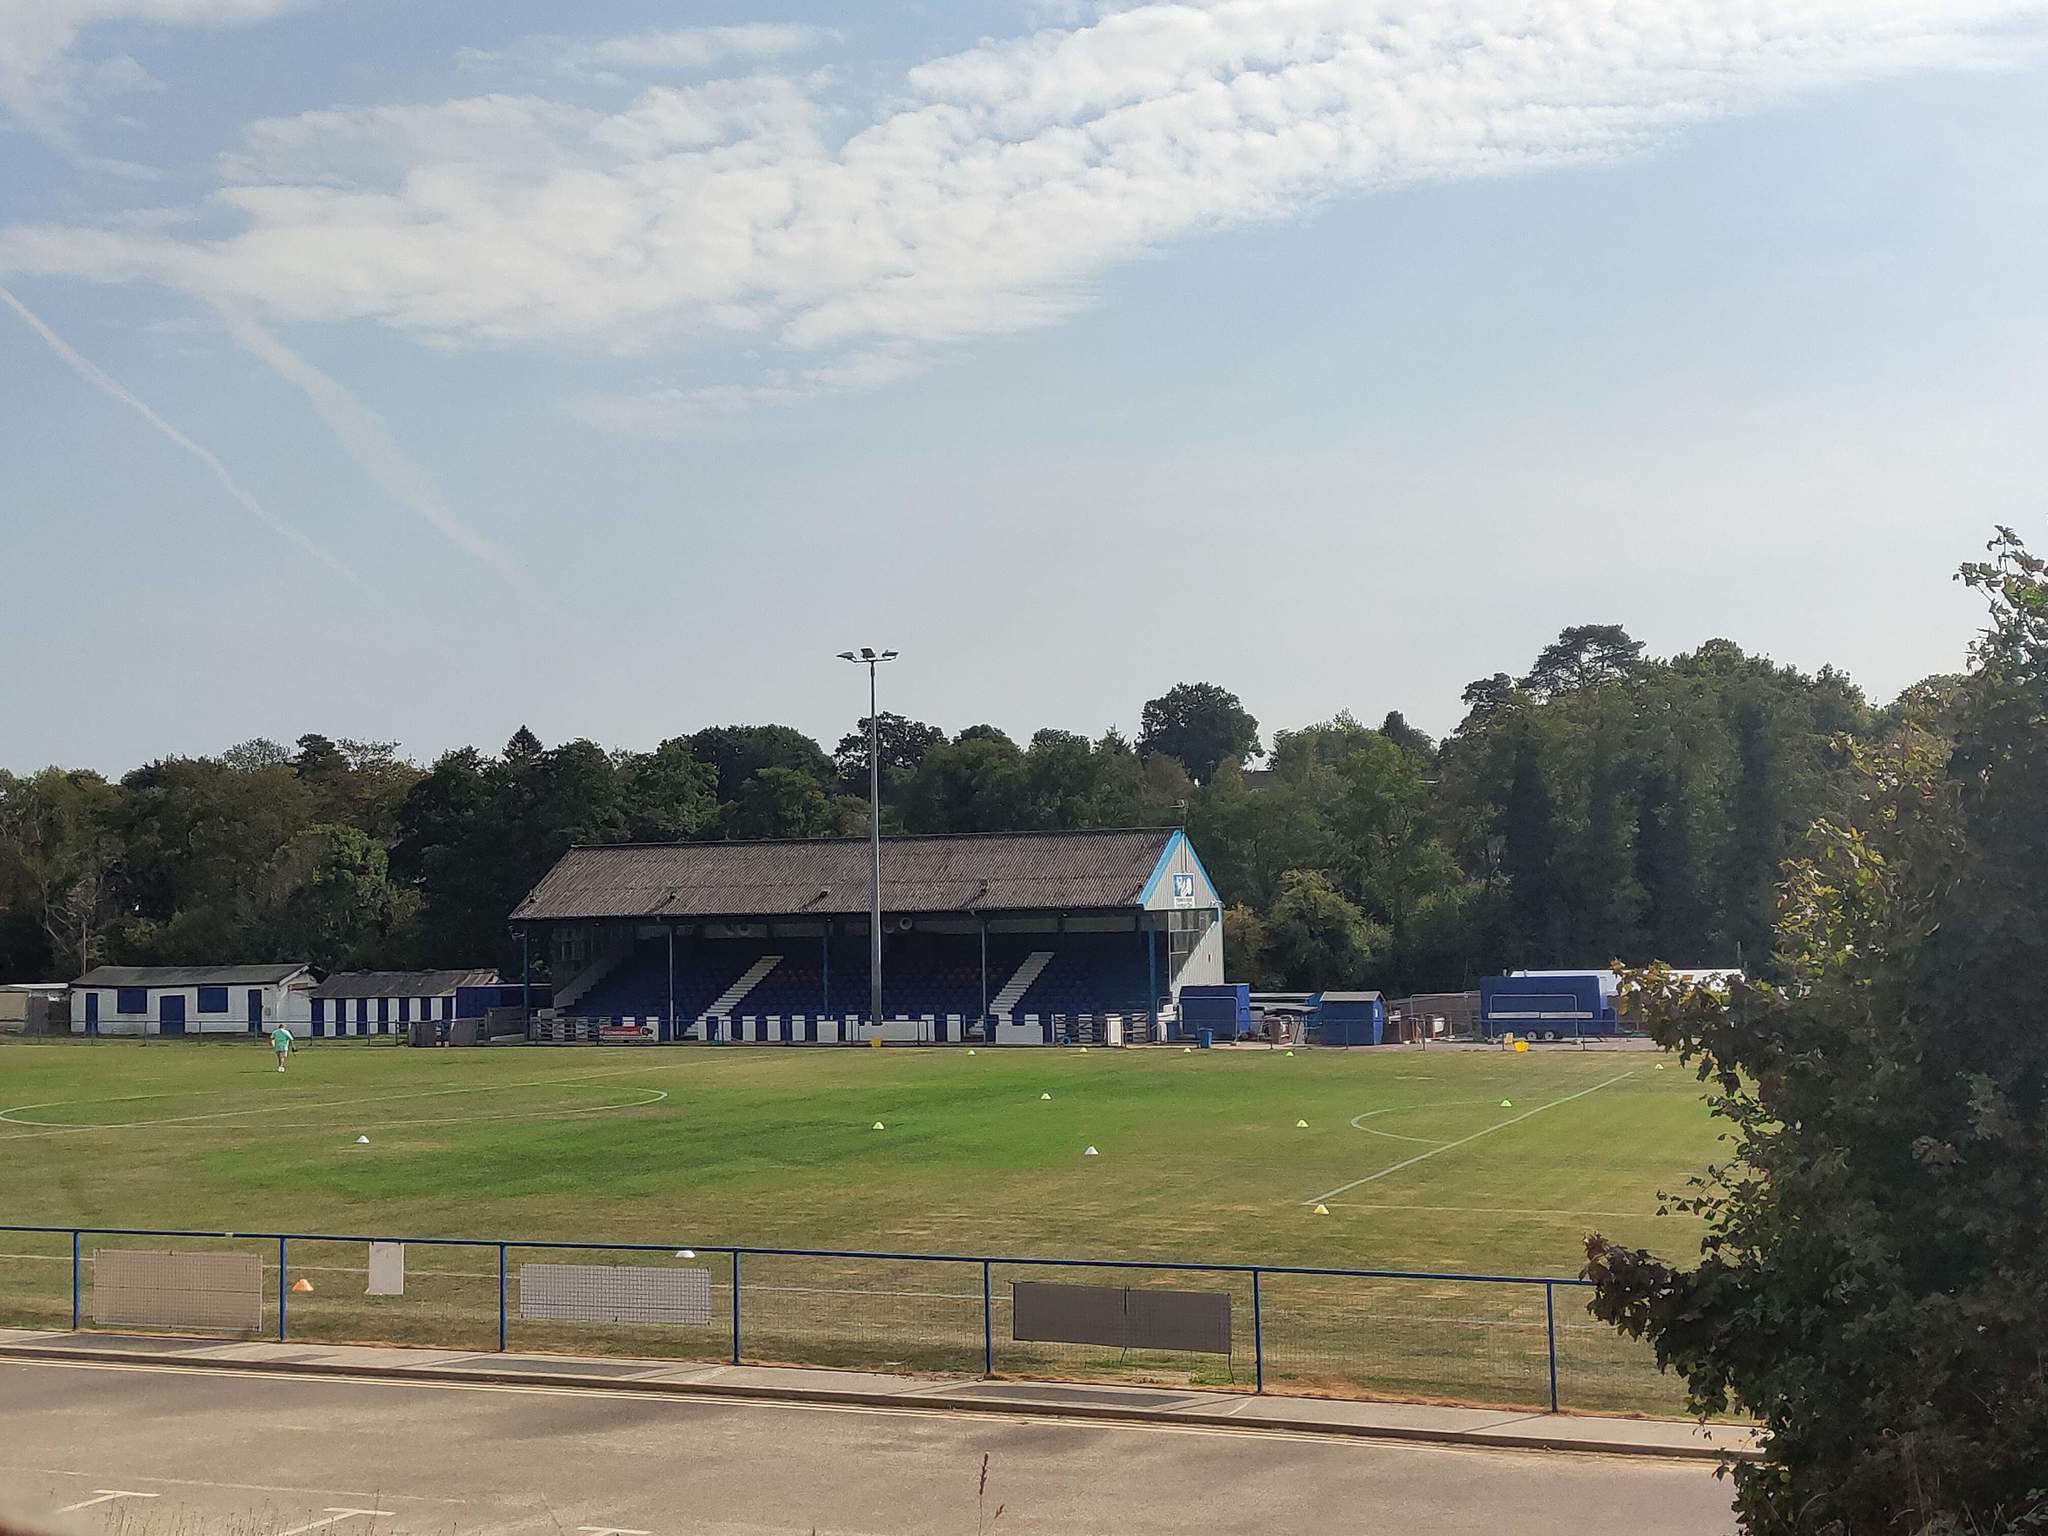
(994, 195)
(43, 82)
(661, 51)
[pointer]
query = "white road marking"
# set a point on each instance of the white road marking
(335, 1517)
(105, 1496)
(611, 1530)
(1464, 1141)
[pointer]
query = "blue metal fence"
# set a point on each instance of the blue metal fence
(1261, 1279)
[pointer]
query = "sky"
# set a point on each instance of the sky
(415, 371)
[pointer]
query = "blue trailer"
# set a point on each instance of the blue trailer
(1554, 1005)
(1348, 1018)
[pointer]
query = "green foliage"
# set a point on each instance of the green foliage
(1874, 1278)
(1608, 806)
(1317, 939)
(1201, 726)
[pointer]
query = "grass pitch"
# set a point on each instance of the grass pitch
(1418, 1159)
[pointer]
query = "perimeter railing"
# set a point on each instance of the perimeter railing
(1443, 1336)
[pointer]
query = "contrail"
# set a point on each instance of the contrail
(111, 387)
(370, 443)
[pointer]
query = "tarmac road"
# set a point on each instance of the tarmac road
(152, 1451)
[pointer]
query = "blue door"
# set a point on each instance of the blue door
(171, 1013)
(255, 1010)
(92, 1013)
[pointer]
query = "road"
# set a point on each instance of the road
(161, 1451)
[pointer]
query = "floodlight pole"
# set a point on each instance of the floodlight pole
(873, 659)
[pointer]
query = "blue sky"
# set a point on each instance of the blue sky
(415, 371)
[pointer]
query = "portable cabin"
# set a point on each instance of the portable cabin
(1224, 1009)
(1349, 1018)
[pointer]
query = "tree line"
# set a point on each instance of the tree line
(1602, 804)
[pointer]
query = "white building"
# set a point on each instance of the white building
(192, 1000)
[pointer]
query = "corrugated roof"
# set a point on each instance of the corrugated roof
(187, 975)
(987, 872)
(401, 983)
(1350, 997)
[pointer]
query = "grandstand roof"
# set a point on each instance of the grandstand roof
(983, 872)
(401, 983)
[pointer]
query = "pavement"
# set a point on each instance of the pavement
(1222, 1411)
(160, 1440)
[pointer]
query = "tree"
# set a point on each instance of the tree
(1667, 870)
(1201, 726)
(737, 752)
(1529, 856)
(1395, 728)
(669, 795)
(784, 802)
(335, 904)
(1582, 656)
(1315, 939)
(1874, 1274)
(900, 747)
(972, 785)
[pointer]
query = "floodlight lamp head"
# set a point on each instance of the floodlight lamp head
(848, 656)
(867, 653)
(887, 656)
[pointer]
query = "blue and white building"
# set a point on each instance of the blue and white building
(192, 999)
(364, 1003)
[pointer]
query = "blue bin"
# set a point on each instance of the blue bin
(1207, 1037)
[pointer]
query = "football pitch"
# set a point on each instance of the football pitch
(1442, 1160)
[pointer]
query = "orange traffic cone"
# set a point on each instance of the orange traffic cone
(302, 1286)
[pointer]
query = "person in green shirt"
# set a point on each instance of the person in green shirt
(281, 1042)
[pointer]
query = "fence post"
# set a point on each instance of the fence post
(988, 1323)
(1258, 1338)
(735, 1306)
(283, 1286)
(501, 1298)
(74, 1280)
(1550, 1330)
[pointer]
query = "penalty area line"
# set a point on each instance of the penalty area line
(1464, 1141)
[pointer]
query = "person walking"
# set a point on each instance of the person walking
(281, 1042)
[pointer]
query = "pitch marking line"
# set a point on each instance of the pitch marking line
(1464, 1141)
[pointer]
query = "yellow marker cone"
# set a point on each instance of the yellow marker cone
(1091, 1152)
(1290, 1053)
(1322, 1210)
(302, 1286)
(1084, 1050)
(970, 1053)
(879, 1126)
(1507, 1103)
(1301, 1125)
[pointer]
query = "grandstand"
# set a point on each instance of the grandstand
(1009, 938)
